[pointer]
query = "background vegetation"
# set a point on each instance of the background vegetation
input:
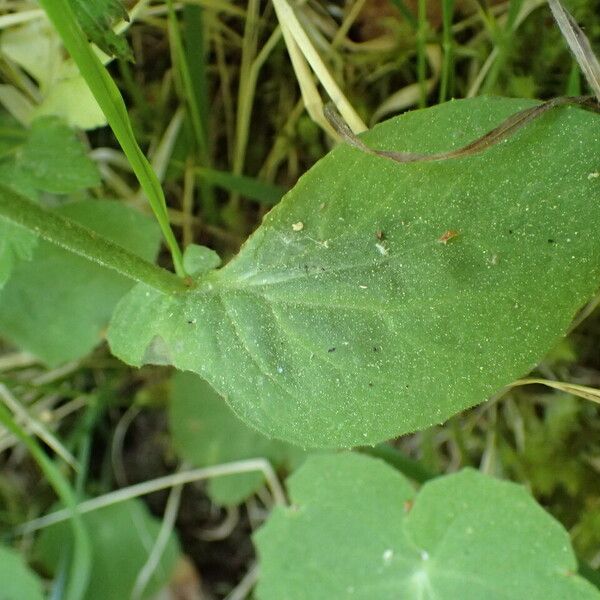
(215, 105)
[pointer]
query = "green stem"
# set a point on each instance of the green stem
(447, 45)
(406, 13)
(421, 54)
(83, 241)
(110, 101)
(410, 467)
(193, 93)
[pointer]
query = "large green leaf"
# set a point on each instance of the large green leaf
(353, 532)
(205, 433)
(353, 314)
(57, 305)
(122, 538)
(17, 580)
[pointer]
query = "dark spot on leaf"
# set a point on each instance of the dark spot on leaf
(331, 350)
(375, 349)
(551, 241)
(380, 235)
(510, 231)
(370, 384)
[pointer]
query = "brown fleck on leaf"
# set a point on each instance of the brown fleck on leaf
(447, 236)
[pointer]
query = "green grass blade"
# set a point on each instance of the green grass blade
(573, 87)
(447, 45)
(195, 54)
(421, 52)
(194, 94)
(413, 469)
(261, 191)
(108, 97)
(81, 559)
(189, 89)
(406, 12)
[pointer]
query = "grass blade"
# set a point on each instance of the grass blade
(108, 97)
(421, 56)
(579, 44)
(193, 84)
(406, 13)
(448, 46)
(81, 559)
(261, 191)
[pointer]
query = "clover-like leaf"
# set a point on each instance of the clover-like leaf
(380, 298)
(357, 529)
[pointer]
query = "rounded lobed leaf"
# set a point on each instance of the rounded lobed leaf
(357, 530)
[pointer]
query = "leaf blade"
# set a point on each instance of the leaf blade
(341, 338)
(457, 538)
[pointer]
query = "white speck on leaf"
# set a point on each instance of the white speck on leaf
(593, 175)
(382, 249)
(299, 226)
(387, 556)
